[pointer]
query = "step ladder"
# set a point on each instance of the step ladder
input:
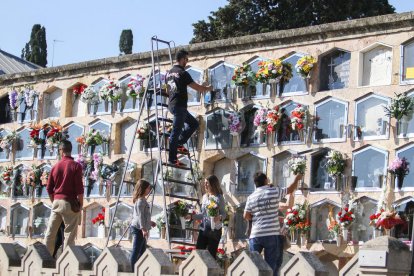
(156, 92)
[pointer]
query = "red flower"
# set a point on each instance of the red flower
(34, 133)
(346, 209)
(103, 209)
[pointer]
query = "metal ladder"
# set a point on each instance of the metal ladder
(158, 88)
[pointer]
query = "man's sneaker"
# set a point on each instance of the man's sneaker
(182, 150)
(177, 164)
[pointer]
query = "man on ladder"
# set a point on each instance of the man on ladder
(178, 79)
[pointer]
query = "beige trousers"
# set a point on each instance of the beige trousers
(61, 211)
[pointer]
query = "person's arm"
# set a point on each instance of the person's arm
(247, 215)
(200, 88)
(248, 211)
(292, 187)
(222, 209)
(50, 187)
(79, 190)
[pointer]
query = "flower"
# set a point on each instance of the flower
(304, 66)
(269, 71)
(335, 163)
(29, 96)
(181, 208)
(296, 215)
(100, 218)
(400, 106)
(273, 117)
(260, 118)
(212, 207)
(235, 123)
(89, 95)
(14, 97)
(135, 86)
(79, 89)
(399, 166)
(244, 76)
(298, 117)
(297, 165)
(345, 217)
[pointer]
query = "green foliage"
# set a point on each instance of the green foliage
(245, 17)
(400, 106)
(36, 49)
(126, 42)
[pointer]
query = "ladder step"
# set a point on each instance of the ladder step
(179, 256)
(174, 166)
(182, 242)
(165, 120)
(179, 181)
(178, 227)
(182, 197)
(162, 104)
(168, 134)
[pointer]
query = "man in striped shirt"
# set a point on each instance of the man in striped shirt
(262, 208)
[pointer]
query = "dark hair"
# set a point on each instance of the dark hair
(139, 189)
(66, 146)
(214, 184)
(259, 179)
(181, 54)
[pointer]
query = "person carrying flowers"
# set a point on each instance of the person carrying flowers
(213, 213)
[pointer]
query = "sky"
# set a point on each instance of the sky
(86, 30)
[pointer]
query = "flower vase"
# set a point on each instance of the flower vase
(213, 223)
(377, 233)
(14, 115)
(101, 231)
(345, 234)
(307, 83)
(387, 232)
(354, 181)
(31, 114)
(163, 231)
(293, 236)
(105, 147)
(118, 232)
(79, 149)
(338, 240)
(303, 240)
(106, 105)
(182, 220)
(273, 88)
(402, 127)
(39, 191)
(7, 152)
(301, 134)
(400, 181)
(264, 89)
(134, 102)
(92, 150)
(271, 139)
(114, 106)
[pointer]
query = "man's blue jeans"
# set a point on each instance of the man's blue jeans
(179, 134)
(273, 250)
(139, 244)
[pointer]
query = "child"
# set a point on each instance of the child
(141, 220)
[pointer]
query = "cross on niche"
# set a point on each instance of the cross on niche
(331, 80)
(92, 256)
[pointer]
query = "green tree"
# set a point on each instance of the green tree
(36, 49)
(245, 17)
(125, 42)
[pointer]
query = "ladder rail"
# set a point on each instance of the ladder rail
(126, 167)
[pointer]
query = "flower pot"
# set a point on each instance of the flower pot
(402, 127)
(106, 105)
(376, 233)
(338, 240)
(114, 106)
(182, 220)
(400, 181)
(303, 240)
(134, 102)
(345, 234)
(293, 236)
(91, 149)
(271, 139)
(213, 223)
(101, 231)
(273, 89)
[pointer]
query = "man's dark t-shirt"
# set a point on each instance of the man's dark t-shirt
(178, 79)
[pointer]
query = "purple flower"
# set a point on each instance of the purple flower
(13, 96)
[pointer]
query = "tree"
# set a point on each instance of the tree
(126, 42)
(245, 17)
(36, 49)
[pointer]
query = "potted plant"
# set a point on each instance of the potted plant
(399, 168)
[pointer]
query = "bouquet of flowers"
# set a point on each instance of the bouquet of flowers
(97, 164)
(185, 250)
(212, 207)
(388, 220)
(400, 106)
(345, 217)
(260, 118)
(297, 118)
(269, 71)
(78, 90)
(334, 228)
(110, 91)
(286, 72)
(235, 123)
(273, 119)
(93, 138)
(135, 87)
(55, 134)
(167, 129)
(399, 166)
(14, 98)
(6, 142)
(244, 76)
(303, 227)
(304, 66)
(144, 133)
(296, 215)
(7, 175)
(181, 208)
(35, 139)
(297, 165)
(82, 161)
(100, 218)
(45, 177)
(336, 163)
(29, 96)
(89, 95)
(373, 219)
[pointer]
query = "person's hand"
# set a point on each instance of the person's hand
(217, 219)
(209, 88)
(153, 224)
(298, 177)
(145, 233)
